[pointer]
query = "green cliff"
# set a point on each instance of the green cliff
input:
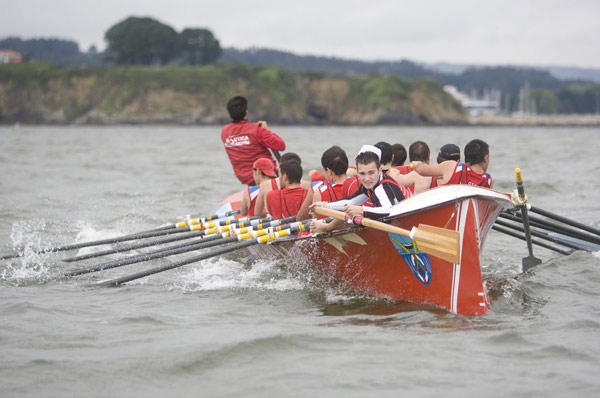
(37, 93)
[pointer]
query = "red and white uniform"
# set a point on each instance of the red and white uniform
(330, 192)
(253, 194)
(245, 143)
(463, 174)
(376, 202)
(285, 202)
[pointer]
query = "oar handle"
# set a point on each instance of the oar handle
(367, 222)
(520, 187)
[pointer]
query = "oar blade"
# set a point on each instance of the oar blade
(439, 242)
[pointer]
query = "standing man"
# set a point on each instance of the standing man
(246, 142)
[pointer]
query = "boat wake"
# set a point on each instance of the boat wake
(223, 274)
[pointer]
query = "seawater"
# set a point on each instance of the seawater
(227, 327)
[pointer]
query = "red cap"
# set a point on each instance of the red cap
(266, 166)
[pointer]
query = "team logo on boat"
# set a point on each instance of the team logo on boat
(417, 262)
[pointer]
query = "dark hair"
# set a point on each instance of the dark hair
(399, 155)
(292, 170)
(237, 107)
(386, 152)
(290, 156)
(335, 159)
(475, 151)
(418, 151)
(368, 158)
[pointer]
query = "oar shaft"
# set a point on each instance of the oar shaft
(539, 235)
(207, 242)
(534, 241)
(166, 267)
(554, 227)
(210, 241)
(140, 245)
(565, 220)
(264, 239)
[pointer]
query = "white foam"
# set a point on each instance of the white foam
(221, 274)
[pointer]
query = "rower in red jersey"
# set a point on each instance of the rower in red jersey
(472, 172)
(335, 165)
(292, 199)
(418, 152)
(380, 191)
(246, 142)
(262, 171)
(273, 185)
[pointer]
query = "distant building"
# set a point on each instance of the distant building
(9, 57)
(488, 104)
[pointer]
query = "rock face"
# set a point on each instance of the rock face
(39, 94)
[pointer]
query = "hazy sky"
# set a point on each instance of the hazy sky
(526, 32)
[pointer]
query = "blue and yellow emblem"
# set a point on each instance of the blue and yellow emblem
(417, 261)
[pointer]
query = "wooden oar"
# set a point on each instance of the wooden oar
(125, 238)
(196, 221)
(531, 260)
(565, 220)
(438, 242)
(264, 239)
(534, 241)
(541, 235)
(541, 223)
(210, 241)
(257, 223)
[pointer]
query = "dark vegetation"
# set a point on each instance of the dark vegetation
(146, 41)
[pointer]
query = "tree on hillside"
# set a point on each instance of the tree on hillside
(50, 50)
(142, 41)
(199, 46)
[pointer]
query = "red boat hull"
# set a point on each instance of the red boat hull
(386, 265)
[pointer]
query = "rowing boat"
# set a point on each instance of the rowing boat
(391, 266)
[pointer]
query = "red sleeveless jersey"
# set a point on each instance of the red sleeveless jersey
(403, 169)
(285, 202)
(330, 192)
(350, 186)
(253, 194)
(463, 174)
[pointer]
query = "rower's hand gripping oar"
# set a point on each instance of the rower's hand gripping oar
(439, 242)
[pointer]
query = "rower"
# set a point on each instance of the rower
(472, 172)
(399, 159)
(267, 186)
(246, 142)
(292, 199)
(449, 152)
(335, 165)
(417, 152)
(383, 192)
(262, 171)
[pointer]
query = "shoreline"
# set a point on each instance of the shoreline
(535, 120)
(474, 121)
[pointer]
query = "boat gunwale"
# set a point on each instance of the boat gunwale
(354, 228)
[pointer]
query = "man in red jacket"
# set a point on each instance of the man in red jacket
(246, 142)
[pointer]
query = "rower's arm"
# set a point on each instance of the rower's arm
(245, 203)
(303, 212)
(260, 208)
(429, 170)
(408, 180)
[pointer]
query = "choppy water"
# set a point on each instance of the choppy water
(226, 328)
